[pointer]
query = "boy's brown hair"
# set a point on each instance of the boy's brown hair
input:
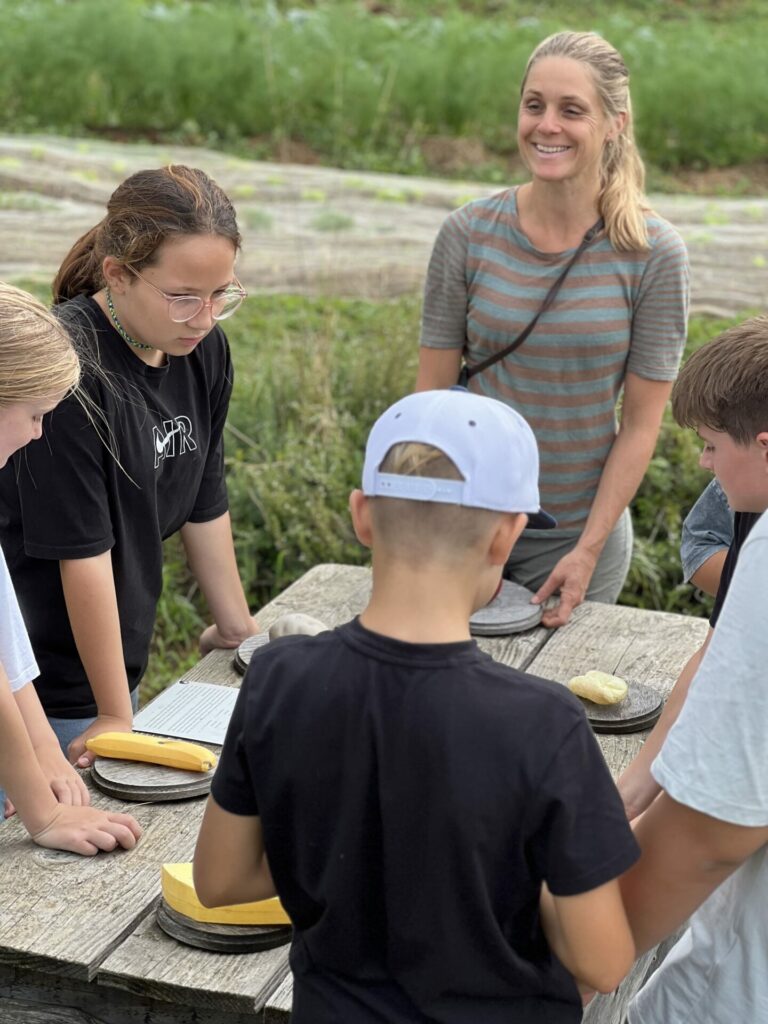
(422, 530)
(724, 385)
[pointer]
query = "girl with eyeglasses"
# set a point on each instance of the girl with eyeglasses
(83, 516)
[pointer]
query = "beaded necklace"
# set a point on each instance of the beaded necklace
(119, 327)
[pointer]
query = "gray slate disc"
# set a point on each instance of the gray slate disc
(242, 658)
(639, 710)
(148, 783)
(221, 938)
(510, 611)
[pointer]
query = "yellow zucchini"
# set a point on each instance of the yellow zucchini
(179, 893)
(135, 746)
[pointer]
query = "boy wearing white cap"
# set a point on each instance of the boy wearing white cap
(413, 796)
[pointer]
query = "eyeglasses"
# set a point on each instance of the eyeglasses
(182, 308)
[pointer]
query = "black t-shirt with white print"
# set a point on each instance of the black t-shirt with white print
(148, 460)
(413, 797)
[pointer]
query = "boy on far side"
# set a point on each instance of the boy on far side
(412, 798)
(704, 838)
(722, 393)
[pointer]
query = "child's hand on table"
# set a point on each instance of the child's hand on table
(86, 830)
(211, 639)
(65, 782)
(76, 751)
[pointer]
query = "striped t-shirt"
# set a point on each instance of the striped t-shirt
(615, 312)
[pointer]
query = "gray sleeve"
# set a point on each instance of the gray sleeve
(444, 318)
(715, 756)
(707, 528)
(660, 314)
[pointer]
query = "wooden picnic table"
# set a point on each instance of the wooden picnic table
(78, 939)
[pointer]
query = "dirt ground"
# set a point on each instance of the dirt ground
(313, 230)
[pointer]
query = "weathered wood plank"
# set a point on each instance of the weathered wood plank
(152, 965)
(650, 647)
(63, 913)
(278, 1007)
(27, 997)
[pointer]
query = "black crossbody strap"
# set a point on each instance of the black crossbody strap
(549, 299)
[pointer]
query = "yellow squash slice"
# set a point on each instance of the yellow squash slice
(179, 894)
(135, 746)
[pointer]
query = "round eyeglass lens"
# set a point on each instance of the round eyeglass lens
(184, 307)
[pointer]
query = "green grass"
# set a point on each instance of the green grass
(311, 377)
(364, 90)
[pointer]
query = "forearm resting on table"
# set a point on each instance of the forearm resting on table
(589, 934)
(685, 856)
(20, 774)
(636, 784)
(211, 556)
(89, 593)
(230, 864)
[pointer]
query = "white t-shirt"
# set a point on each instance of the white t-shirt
(16, 655)
(715, 760)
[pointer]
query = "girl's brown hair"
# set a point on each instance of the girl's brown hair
(37, 358)
(622, 201)
(143, 212)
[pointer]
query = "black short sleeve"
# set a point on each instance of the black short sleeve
(584, 840)
(232, 787)
(62, 488)
(742, 525)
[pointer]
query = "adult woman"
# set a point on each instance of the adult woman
(140, 293)
(618, 318)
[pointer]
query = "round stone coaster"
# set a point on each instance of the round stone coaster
(510, 611)
(148, 783)
(245, 651)
(221, 938)
(639, 710)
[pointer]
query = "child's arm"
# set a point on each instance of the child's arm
(230, 864)
(66, 784)
(707, 576)
(686, 855)
(211, 555)
(82, 830)
(590, 935)
(91, 600)
(637, 786)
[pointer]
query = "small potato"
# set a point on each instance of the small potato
(599, 687)
(293, 623)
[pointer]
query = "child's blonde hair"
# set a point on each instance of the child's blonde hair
(37, 357)
(421, 530)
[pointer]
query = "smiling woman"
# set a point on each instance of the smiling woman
(578, 251)
(141, 294)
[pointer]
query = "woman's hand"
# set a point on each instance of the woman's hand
(571, 576)
(76, 751)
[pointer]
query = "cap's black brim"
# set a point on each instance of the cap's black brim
(540, 520)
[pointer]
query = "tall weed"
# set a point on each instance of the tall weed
(364, 90)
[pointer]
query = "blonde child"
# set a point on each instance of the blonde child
(38, 367)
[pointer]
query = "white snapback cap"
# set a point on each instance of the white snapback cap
(490, 444)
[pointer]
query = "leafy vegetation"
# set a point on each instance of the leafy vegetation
(366, 90)
(312, 376)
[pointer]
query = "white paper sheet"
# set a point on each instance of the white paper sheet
(189, 711)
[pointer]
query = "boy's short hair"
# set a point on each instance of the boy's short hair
(443, 465)
(724, 385)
